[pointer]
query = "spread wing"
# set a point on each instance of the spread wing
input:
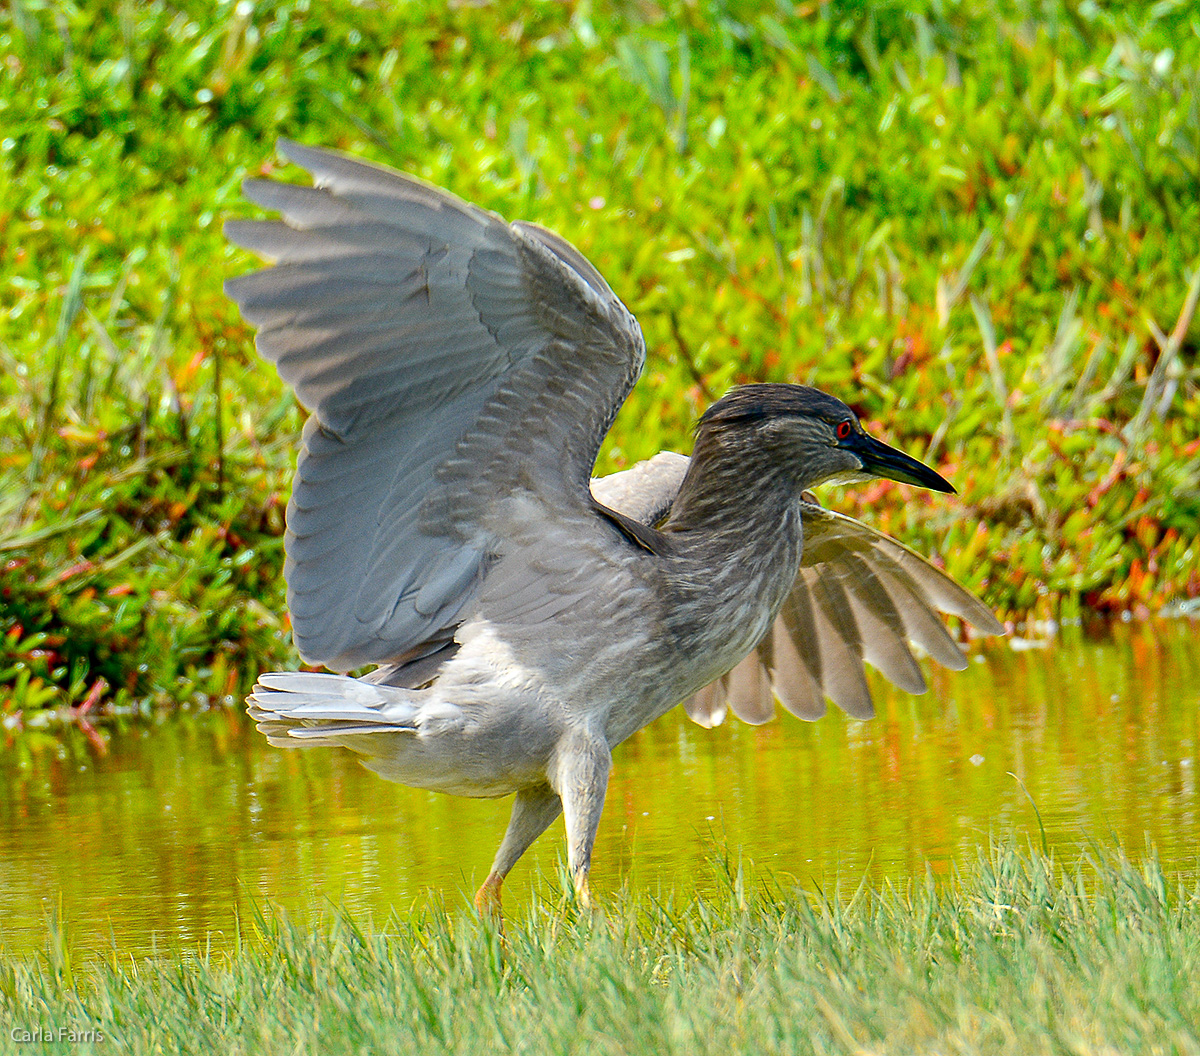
(859, 596)
(448, 359)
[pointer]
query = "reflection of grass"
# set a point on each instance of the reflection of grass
(974, 221)
(1015, 955)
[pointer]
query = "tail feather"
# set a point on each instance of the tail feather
(313, 733)
(294, 708)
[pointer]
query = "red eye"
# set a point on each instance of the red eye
(843, 430)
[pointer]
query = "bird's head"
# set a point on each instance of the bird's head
(809, 435)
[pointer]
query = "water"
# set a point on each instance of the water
(174, 833)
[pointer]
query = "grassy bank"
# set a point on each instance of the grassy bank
(1016, 955)
(974, 222)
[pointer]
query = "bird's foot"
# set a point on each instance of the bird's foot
(487, 898)
(583, 893)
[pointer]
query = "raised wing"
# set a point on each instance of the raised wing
(859, 596)
(449, 359)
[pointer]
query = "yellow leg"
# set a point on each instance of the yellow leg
(533, 810)
(487, 898)
(583, 892)
(581, 779)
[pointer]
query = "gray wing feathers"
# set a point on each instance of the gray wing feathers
(563, 249)
(448, 358)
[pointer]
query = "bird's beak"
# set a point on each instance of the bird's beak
(880, 460)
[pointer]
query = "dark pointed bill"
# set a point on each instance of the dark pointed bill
(884, 461)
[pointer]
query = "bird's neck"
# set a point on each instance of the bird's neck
(736, 541)
(731, 491)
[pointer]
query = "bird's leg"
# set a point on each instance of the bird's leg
(580, 776)
(533, 811)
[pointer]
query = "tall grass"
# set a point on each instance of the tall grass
(1017, 954)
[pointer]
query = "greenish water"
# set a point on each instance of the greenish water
(173, 833)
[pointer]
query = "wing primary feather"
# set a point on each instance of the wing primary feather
(791, 678)
(706, 707)
(882, 626)
(748, 689)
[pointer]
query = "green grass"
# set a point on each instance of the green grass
(1018, 954)
(975, 222)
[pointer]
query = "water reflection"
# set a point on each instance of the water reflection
(176, 832)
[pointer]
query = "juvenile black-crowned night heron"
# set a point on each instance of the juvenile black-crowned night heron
(461, 373)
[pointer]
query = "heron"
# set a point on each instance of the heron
(522, 619)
